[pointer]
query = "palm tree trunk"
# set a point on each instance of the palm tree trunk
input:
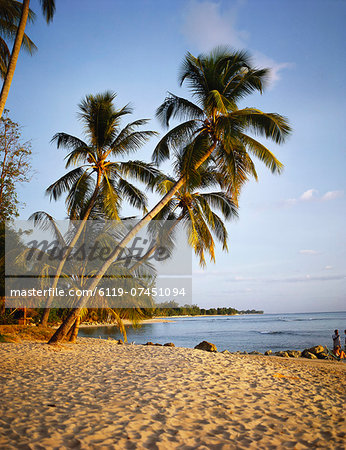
(2, 305)
(75, 329)
(152, 249)
(66, 325)
(45, 316)
(14, 56)
(69, 334)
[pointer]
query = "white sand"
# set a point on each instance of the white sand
(110, 396)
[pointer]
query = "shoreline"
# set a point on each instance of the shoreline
(96, 393)
(159, 319)
(126, 322)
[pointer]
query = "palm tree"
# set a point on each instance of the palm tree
(10, 14)
(97, 181)
(215, 130)
(78, 271)
(48, 9)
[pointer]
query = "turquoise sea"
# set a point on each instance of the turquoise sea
(244, 332)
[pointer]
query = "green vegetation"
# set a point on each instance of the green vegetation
(172, 308)
(15, 166)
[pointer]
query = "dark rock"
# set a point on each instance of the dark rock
(169, 344)
(308, 355)
(120, 342)
(159, 345)
(322, 355)
(254, 352)
(282, 354)
(294, 353)
(206, 346)
(149, 343)
(316, 350)
(268, 352)
(226, 352)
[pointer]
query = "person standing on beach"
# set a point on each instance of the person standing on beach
(336, 340)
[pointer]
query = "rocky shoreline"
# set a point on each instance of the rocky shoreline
(316, 352)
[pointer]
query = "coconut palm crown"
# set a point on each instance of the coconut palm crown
(97, 177)
(213, 124)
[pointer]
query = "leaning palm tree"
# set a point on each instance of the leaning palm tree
(214, 129)
(77, 272)
(10, 14)
(98, 182)
(48, 9)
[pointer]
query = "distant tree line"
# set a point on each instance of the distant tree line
(172, 308)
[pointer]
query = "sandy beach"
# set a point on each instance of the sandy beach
(97, 394)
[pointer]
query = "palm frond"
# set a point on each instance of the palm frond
(221, 201)
(83, 155)
(132, 194)
(175, 107)
(174, 139)
(131, 143)
(45, 221)
(64, 183)
(48, 9)
(110, 198)
(68, 141)
(262, 153)
(79, 196)
(271, 125)
(138, 170)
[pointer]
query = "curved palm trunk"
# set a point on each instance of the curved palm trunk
(66, 325)
(152, 249)
(45, 316)
(74, 330)
(14, 56)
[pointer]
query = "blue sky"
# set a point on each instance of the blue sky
(288, 248)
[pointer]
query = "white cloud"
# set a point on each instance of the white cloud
(308, 195)
(205, 26)
(262, 60)
(311, 195)
(332, 195)
(328, 268)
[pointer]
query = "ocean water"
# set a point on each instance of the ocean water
(245, 332)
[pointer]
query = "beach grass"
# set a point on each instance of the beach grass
(25, 332)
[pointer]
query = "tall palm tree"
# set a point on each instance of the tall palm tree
(216, 129)
(10, 14)
(48, 9)
(97, 179)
